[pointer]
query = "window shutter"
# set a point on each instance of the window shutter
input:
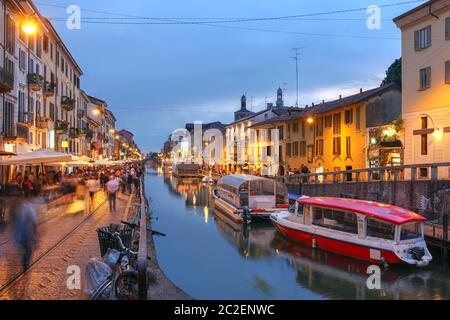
(417, 40)
(428, 31)
(428, 71)
(447, 28)
(447, 72)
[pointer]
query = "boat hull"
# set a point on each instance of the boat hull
(348, 249)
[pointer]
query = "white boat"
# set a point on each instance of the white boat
(244, 197)
(370, 231)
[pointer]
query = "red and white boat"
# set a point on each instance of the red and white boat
(370, 231)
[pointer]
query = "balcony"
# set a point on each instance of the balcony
(88, 133)
(74, 133)
(81, 114)
(49, 89)
(26, 119)
(36, 81)
(43, 122)
(61, 126)
(6, 80)
(67, 103)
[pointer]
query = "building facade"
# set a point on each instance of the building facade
(334, 135)
(426, 83)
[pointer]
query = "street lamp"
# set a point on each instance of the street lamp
(29, 28)
(310, 120)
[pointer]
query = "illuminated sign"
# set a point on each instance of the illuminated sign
(64, 144)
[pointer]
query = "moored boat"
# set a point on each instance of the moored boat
(243, 197)
(370, 231)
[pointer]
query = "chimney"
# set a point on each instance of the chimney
(360, 90)
(340, 96)
(323, 101)
(312, 104)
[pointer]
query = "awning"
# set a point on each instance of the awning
(37, 157)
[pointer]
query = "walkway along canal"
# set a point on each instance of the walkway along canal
(210, 258)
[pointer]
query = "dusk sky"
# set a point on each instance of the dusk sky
(156, 78)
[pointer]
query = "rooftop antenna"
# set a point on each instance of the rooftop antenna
(296, 58)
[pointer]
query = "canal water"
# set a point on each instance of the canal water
(211, 258)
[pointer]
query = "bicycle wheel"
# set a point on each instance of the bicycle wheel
(103, 292)
(127, 286)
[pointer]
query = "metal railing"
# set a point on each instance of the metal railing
(143, 250)
(6, 80)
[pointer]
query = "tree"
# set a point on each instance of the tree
(394, 73)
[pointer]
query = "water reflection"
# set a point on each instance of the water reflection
(269, 265)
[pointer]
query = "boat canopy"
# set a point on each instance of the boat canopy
(237, 180)
(381, 211)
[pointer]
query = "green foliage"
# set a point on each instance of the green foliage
(394, 73)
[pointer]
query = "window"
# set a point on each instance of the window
(358, 118)
(424, 137)
(45, 43)
(422, 38)
(21, 110)
(302, 148)
(425, 78)
(288, 150)
(447, 28)
(319, 126)
(295, 149)
(39, 46)
(335, 219)
(281, 132)
(348, 146)
(411, 231)
(295, 127)
(10, 35)
(348, 116)
(337, 146)
(378, 229)
(447, 72)
(329, 121)
(22, 59)
(303, 129)
(52, 111)
(337, 123)
(319, 147)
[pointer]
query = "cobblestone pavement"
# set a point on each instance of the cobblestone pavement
(47, 278)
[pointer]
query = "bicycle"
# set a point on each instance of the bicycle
(122, 282)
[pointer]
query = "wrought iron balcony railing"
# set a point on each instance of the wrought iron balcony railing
(6, 80)
(67, 103)
(36, 81)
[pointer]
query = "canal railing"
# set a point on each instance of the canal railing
(143, 250)
(412, 172)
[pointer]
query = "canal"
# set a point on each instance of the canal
(211, 258)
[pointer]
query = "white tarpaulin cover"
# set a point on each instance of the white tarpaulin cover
(37, 157)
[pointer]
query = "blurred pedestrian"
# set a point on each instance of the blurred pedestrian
(24, 222)
(112, 186)
(92, 187)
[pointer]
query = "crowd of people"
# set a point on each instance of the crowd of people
(81, 185)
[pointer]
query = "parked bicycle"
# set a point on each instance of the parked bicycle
(122, 282)
(120, 264)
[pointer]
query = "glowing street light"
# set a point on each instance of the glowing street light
(310, 120)
(29, 27)
(96, 112)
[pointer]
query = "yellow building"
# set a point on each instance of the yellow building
(334, 135)
(426, 83)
